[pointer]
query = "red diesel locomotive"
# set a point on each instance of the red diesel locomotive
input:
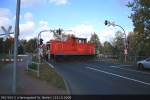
(69, 47)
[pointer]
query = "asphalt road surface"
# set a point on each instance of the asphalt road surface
(102, 78)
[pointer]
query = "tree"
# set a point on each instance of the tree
(107, 48)
(30, 45)
(133, 45)
(9, 45)
(141, 21)
(6, 46)
(21, 49)
(95, 40)
(118, 44)
(1, 45)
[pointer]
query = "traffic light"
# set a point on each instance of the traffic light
(41, 41)
(59, 31)
(106, 22)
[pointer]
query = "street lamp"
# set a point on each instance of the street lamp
(125, 42)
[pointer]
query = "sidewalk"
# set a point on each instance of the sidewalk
(6, 79)
(25, 83)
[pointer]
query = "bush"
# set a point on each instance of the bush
(33, 66)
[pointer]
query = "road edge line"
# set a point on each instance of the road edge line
(137, 71)
(119, 76)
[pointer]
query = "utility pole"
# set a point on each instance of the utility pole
(125, 42)
(16, 46)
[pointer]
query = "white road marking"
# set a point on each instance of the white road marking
(123, 65)
(119, 76)
(119, 67)
(129, 70)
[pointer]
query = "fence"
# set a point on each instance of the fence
(121, 59)
(33, 65)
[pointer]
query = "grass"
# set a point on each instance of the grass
(50, 76)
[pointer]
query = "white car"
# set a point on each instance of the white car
(144, 63)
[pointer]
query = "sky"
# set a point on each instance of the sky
(83, 17)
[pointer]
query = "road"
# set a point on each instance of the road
(6, 79)
(100, 77)
(25, 84)
(6, 74)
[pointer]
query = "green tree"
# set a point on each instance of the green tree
(20, 49)
(118, 44)
(95, 40)
(141, 21)
(133, 46)
(9, 45)
(30, 45)
(107, 48)
(1, 45)
(6, 46)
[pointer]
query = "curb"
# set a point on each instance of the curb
(67, 86)
(50, 65)
(66, 83)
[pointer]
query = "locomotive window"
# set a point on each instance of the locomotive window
(80, 41)
(48, 48)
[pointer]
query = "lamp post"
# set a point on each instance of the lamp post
(125, 42)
